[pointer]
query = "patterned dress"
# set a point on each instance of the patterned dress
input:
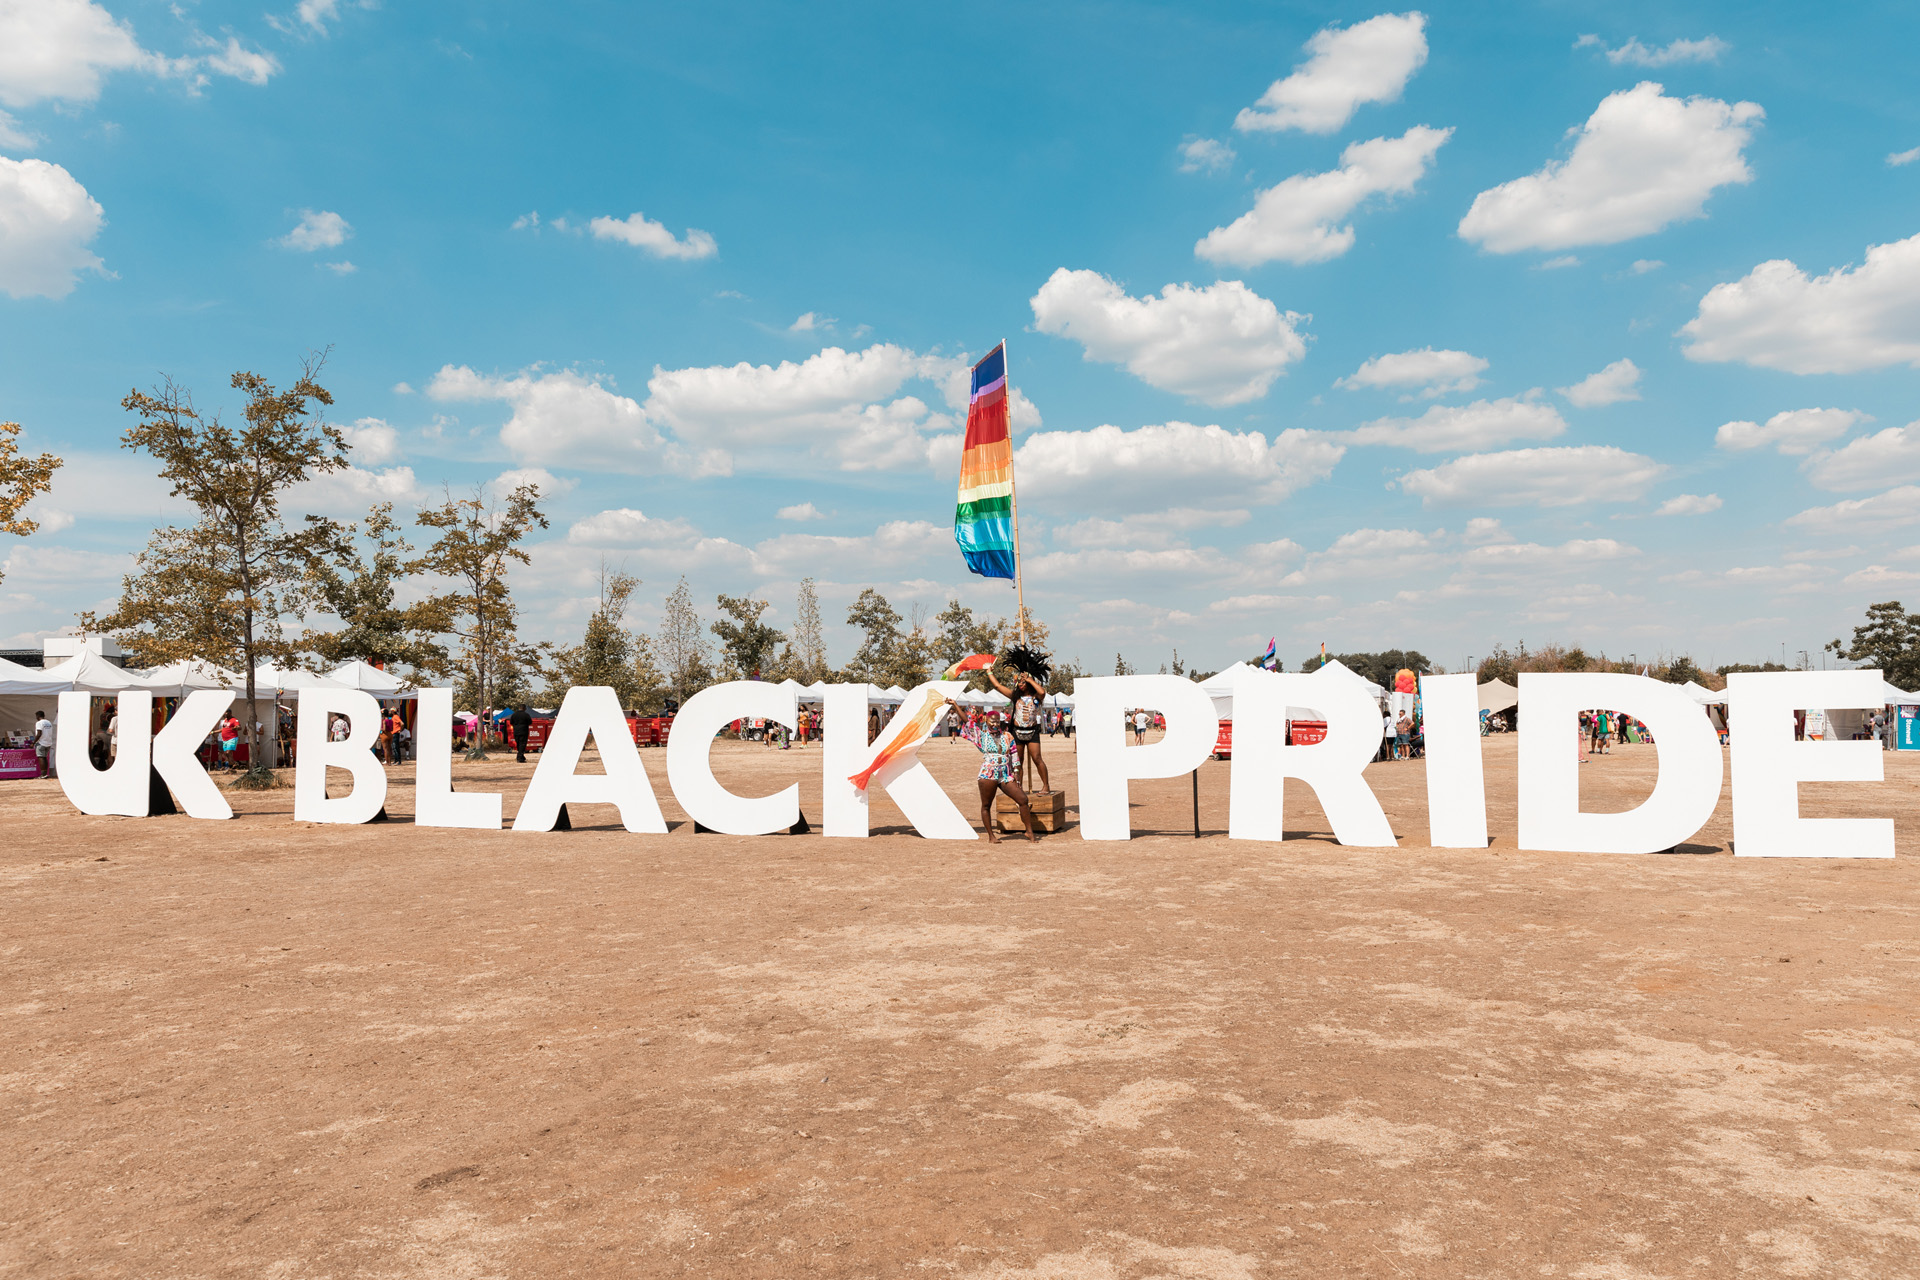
(996, 751)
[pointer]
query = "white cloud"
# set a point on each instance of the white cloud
(1220, 344)
(1848, 320)
(1558, 264)
(1426, 371)
(1303, 218)
(1886, 457)
(1641, 161)
(801, 512)
(828, 404)
(550, 485)
(1205, 155)
(12, 135)
(236, 60)
(317, 13)
(1374, 553)
(570, 419)
(56, 50)
(1552, 477)
(372, 441)
(1794, 432)
(1174, 462)
(342, 268)
(1898, 158)
(1445, 428)
(37, 563)
(628, 527)
(1899, 506)
(641, 233)
(809, 321)
(1146, 528)
(1618, 381)
(47, 219)
(1641, 266)
(1875, 575)
(1369, 61)
(1635, 54)
(1690, 504)
(894, 545)
(352, 491)
(317, 230)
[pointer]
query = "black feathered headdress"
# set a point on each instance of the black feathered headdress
(1028, 662)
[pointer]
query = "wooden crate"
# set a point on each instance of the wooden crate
(1049, 811)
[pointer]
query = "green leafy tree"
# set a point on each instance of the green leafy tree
(1681, 670)
(21, 480)
(181, 601)
(357, 584)
(959, 633)
(479, 541)
(746, 642)
(879, 625)
(236, 478)
(1382, 667)
(1889, 639)
(610, 653)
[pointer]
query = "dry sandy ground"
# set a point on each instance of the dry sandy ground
(267, 1050)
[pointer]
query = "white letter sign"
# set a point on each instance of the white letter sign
(1768, 765)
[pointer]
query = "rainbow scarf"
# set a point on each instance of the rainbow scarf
(908, 731)
(983, 520)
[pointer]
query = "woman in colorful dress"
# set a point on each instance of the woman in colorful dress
(1026, 698)
(997, 753)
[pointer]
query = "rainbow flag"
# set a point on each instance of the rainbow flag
(983, 521)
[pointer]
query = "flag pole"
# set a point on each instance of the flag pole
(1013, 486)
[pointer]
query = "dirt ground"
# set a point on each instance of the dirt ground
(265, 1049)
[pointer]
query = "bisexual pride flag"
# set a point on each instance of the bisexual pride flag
(983, 521)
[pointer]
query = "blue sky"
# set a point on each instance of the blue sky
(1306, 303)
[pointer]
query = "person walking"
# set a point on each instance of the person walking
(521, 722)
(1140, 721)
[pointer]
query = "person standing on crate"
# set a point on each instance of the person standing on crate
(998, 751)
(1027, 696)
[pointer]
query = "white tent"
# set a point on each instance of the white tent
(1703, 695)
(815, 692)
(268, 678)
(895, 693)
(24, 690)
(371, 679)
(1220, 687)
(178, 679)
(1898, 696)
(1497, 696)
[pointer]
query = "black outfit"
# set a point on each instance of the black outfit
(522, 724)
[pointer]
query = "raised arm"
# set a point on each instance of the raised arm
(995, 681)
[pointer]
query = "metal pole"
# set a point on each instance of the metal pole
(1196, 804)
(1013, 494)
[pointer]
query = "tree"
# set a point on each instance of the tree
(879, 624)
(1681, 670)
(610, 653)
(681, 645)
(1036, 631)
(236, 479)
(960, 634)
(1889, 640)
(181, 601)
(1382, 667)
(479, 540)
(1179, 667)
(21, 479)
(744, 639)
(359, 587)
(1121, 667)
(809, 661)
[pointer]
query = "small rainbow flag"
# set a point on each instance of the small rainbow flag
(983, 520)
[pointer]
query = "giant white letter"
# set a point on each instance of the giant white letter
(122, 788)
(1107, 763)
(1262, 760)
(1685, 790)
(846, 752)
(591, 709)
(174, 747)
(355, 755)
(435, 802)
(690, 764)
(1768, 765)
(1456, 778)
